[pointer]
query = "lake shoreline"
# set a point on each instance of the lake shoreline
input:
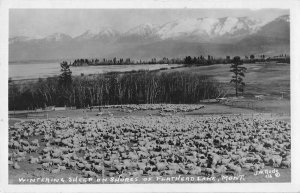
(35, 71)
(32, 80)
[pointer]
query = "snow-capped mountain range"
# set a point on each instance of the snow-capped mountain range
(198, 29)
(104, 33)
(226, 30)
(56, 37)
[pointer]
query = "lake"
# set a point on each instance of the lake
(20, 71)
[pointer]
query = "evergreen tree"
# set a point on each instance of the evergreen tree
(238, 74)
(65, 78)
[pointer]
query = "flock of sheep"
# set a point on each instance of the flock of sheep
(161, 107)
(151, 145)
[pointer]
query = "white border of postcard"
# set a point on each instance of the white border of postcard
(293, 5)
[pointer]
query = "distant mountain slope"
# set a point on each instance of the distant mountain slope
(278, 28)
(214, 36)
(272, 38)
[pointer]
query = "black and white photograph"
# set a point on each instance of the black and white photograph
(150, 96)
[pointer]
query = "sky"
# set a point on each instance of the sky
(39, 23)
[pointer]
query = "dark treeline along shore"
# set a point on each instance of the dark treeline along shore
(188, 60)
(114, 88)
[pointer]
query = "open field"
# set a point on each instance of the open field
(267, 79)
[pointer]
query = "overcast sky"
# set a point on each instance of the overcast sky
(43, 22)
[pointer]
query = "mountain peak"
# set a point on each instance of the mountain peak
(88, 34)
(146, 29)
(58, 37)
(108, 32)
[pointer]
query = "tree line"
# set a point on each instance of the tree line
(187, 60)
(114, 88)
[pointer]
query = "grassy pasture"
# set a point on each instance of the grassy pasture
(261, 79)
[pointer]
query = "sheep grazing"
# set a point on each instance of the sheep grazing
(285, 164)
(19, 159)
(90, 174)
(234, 168)
(97, 168)
(45, 165)
(208, 171)
(56, 161)
(276, 160)
(34, 160)
(220, 169)
(16, 145)
(153, 146)
(150, 173)
(195, 170)
(35, 143)
(137, 173)
(182, 170)
(62, 167)
(248, 166)
(71, 164)
(169, 172)
(55, 171)
(141, 165)
(16, 166)
(88, 166)
(161, 165)
(225, 161)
